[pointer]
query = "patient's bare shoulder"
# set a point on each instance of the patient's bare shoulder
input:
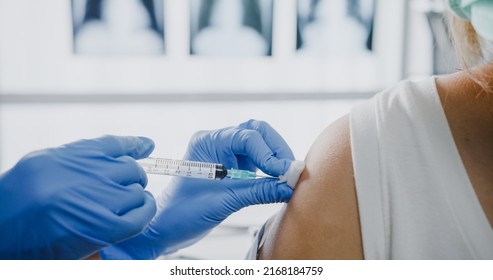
(321, 221)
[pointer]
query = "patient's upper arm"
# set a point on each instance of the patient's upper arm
(321, 221)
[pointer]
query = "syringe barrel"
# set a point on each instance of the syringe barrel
(183, 168)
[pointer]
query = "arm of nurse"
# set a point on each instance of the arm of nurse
(321, 220)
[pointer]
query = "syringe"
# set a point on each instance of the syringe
(194, 169)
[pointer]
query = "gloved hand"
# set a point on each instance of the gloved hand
(68, 202)
(189, 208)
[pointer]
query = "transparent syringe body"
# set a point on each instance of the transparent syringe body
(183, 168)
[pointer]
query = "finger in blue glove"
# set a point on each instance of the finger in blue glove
(68, 202)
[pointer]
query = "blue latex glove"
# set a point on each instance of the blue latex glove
(69, 202)
(189, 208)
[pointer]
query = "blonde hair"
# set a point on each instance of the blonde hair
(472, 50)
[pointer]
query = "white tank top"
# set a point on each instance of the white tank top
(414, 195)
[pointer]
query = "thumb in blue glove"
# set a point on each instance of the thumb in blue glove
(68, 202)
(189, 208)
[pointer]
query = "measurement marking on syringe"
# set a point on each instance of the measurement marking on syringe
(194, 169)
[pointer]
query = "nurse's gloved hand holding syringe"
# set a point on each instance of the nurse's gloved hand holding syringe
(189, 208)
(72, 201)
(68, 202)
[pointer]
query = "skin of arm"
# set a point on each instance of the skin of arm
(321, 220)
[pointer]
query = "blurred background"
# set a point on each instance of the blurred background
(72, 69)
